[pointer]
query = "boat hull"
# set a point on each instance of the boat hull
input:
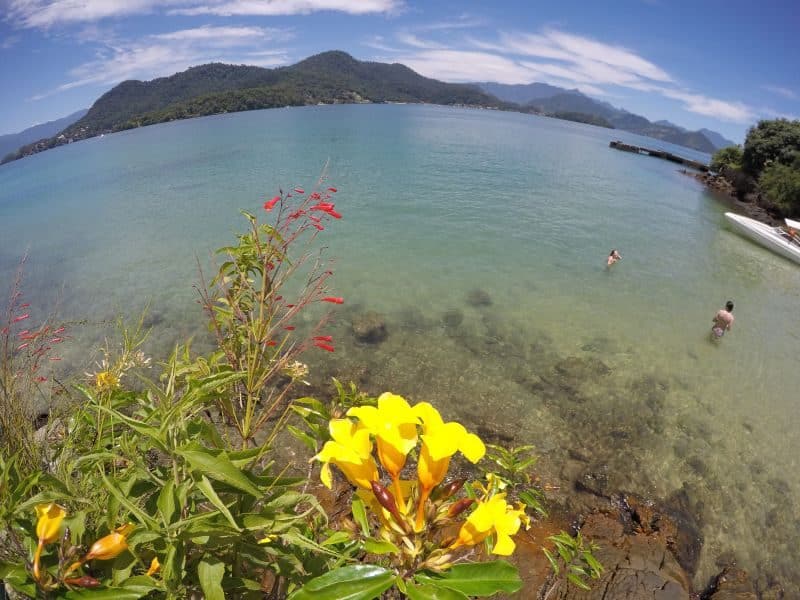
(764, 235)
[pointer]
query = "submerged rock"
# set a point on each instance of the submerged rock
(370, 327)
(479, 297)
(452, 318)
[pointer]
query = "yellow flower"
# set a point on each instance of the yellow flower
(154, 567)
(494, 515)
(351, 451)
(110, 546)
(48, 525)
(394, 425)
(440, 441)
(105, 381)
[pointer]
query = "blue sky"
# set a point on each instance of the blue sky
(698, 63)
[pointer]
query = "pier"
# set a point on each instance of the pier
(694, 164)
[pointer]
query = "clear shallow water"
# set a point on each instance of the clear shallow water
(439, 202)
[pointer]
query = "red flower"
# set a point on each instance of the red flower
(327, 347)
(40, 379)
(332, 189)
(333, 300)
(59, 330)
(299, 190)
(323, 338)
(289, 328)
(334, 214)
(26, 305)
(22, 346)
(318, 226)
(20, 318)
(269, 204)
(54, 357)
(271, 343)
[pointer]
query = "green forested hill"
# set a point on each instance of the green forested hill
(330, 77)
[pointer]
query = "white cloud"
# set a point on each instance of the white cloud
(409, 39)
(735, 112)
(462, 66)
(10, 41)
(168, 53)
(781, 91)
(288, 7)
(45, 14)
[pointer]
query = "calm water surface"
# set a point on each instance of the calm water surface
(439, 203)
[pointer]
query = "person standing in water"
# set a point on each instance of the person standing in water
(722, 321)
(613, 257)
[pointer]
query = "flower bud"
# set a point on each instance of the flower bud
(386, 499)
(447, 490)
(154, 567)
(110, 546)
(85, 582)
(458, 507)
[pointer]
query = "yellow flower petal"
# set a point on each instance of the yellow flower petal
(472, 447)
(49, 519)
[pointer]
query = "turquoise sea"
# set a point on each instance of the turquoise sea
(605, 371)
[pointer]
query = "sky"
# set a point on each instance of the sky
(718, 64)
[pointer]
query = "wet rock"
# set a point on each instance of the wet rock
(651, 390)
(594, 481)
(578, 369)
(686, 540)
(637, 567)
(478, 297)
(370, 328)
(452, 318)
(731, 584)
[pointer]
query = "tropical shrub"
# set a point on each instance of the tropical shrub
(781, 184)
(770, 141)
(727, 158)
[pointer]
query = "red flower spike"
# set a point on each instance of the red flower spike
(333, 300)
(299, 190)
(270, 204)
(332, 189)
(26, 305)
(334, 214)
(20, 318)
(327, 347)
(54, 357)
(40, 379)
(290, 305)
(59, 330)
(23, 346)
(323, 338)
(318, 226)
(289, 328)
(272, 343)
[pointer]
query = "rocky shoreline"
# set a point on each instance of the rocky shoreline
(725, 192)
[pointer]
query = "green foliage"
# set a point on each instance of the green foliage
(573, 559)
(728, 158)
(774, 141)
(514, 472)
(781, 184)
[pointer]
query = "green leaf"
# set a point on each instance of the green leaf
(360, 515)
(204, 485)
(477, 579)
(553, 561)
(380, 547)
(17, 577)
(338, 537)
(132, 589)
(308, 440)
(211, 572)
(354, 582)
(132, 508)
(433, 592)
(166, 501)
(577, 581)
(220, 468)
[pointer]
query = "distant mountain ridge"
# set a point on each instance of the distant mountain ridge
(562, 100)
(11, 141)
(328, 78)
(331, 78)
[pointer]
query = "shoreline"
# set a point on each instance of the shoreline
(723, 191)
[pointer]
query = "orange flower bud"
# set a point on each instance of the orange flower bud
(386, 499)
(110, 546)
(458, 507)
(85, 582)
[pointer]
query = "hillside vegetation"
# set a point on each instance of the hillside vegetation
(327, 78)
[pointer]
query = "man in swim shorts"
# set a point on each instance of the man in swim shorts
(722, 321)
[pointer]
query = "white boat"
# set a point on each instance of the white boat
(773, 238)
(793, 224)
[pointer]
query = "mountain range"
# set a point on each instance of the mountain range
(332, 77)
(552, 100)
(11, 141)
